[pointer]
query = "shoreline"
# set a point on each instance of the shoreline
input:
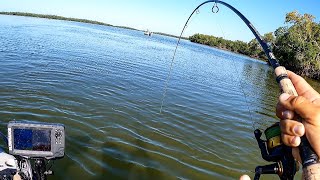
(227, 50)
(56, 17)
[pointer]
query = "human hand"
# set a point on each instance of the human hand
(306, 105)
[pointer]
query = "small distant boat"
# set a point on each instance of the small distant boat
(148, 33)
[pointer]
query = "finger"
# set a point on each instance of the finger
(299, 104)
(292, 128)
(302, 86)
(283, 113)
(292, 141)
(244, 177)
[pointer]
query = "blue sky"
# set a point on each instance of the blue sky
(169, 16)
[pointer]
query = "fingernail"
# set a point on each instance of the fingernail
(295, 141)
(298, 130)
(284, 96)
(288, 114)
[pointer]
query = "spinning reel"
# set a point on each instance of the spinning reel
(273, 150)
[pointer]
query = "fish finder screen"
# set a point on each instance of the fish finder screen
(32, 139)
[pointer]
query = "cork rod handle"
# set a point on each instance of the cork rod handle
(310, 162)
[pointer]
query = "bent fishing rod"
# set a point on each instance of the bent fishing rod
(272, 149)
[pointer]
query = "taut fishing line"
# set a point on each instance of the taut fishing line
(215, 9)
(197, 11)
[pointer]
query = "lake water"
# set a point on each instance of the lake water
(105, 85)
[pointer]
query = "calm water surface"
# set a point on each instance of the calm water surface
(105, 84)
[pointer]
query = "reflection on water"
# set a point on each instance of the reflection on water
(105, 84)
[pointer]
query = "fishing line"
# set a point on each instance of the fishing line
(240, 82)
(215, 9)
(196, 10)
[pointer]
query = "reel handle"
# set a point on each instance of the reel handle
(310, 160)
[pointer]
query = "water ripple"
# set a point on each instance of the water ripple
(105, 84)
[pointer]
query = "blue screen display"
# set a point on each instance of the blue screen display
(32, 139)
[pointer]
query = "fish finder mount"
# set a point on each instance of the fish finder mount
(32, 147)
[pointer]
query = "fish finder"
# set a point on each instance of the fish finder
(36, 140)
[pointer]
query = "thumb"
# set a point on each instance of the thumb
(299, 105)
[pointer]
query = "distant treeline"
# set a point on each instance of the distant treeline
(251, 49)
(297, 45)
(61, 18)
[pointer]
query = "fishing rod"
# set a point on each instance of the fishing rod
(272, 149)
